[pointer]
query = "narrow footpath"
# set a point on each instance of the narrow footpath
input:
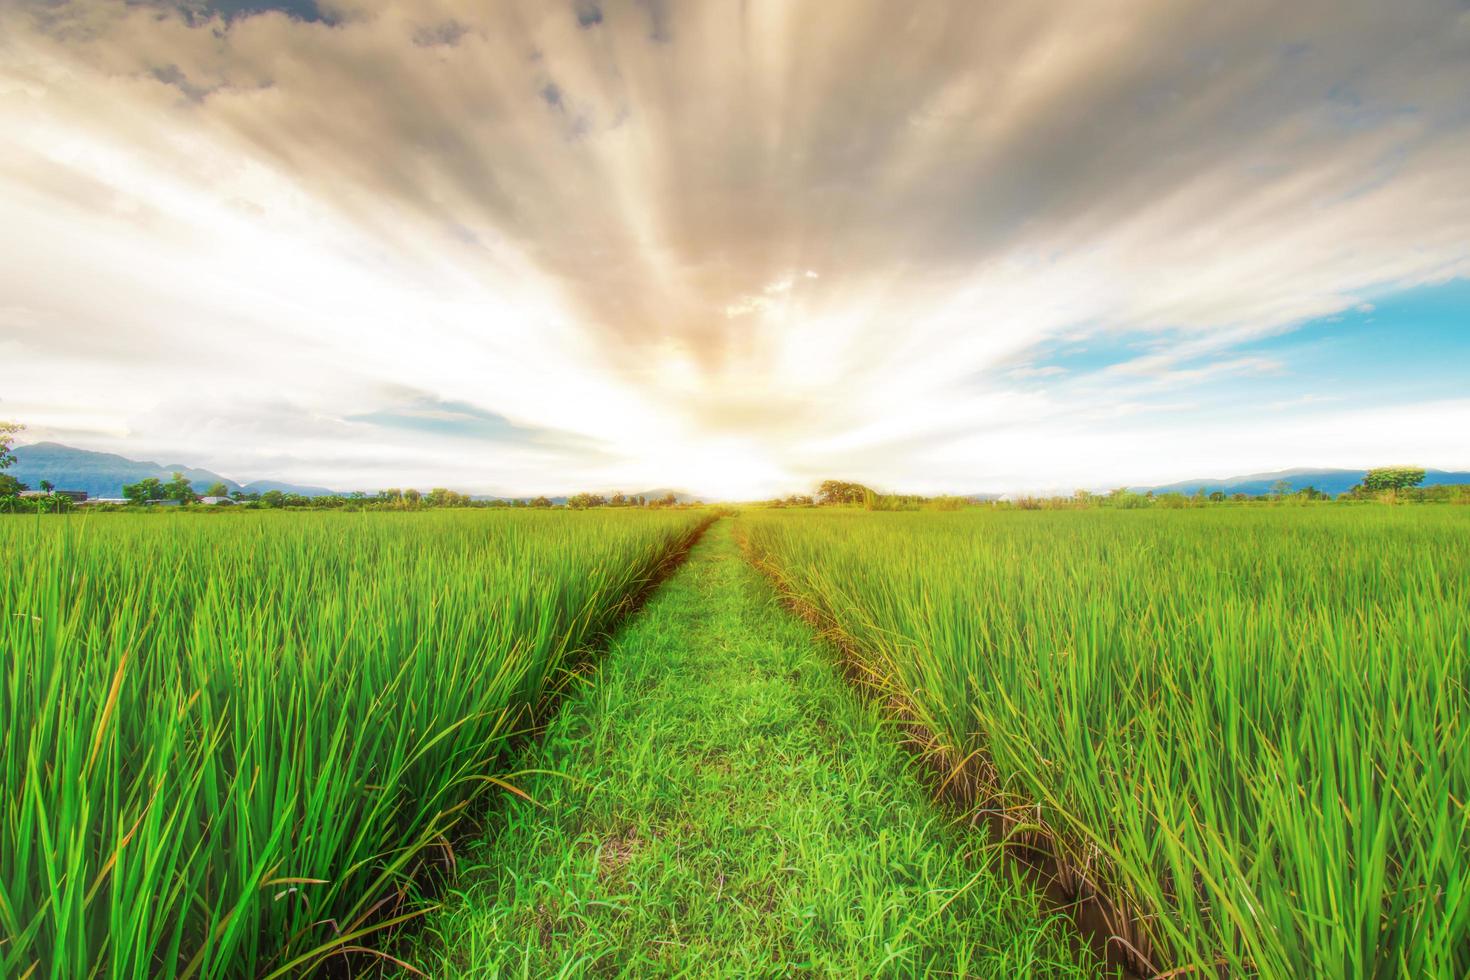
(715, 801)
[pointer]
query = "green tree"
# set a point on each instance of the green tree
(9, 485)
(582, 501)
(540, 502)
(180, 489)
(217, 489)
(8, 431)
(144, 490)
(1392, 478)
(1280, 488)
(842, 492)
(47, 486)
(1217, 497)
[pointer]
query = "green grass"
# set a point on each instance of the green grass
(1251, 728)
(231, 741)
(716, 802)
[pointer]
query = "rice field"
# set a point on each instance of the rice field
(232, 744)
(1247, 728)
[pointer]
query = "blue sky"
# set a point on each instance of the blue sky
(1400, 348)
(1397, 348)
(737, 248)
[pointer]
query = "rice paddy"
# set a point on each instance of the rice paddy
(279, 744)
(233, 743)
(1247, 729)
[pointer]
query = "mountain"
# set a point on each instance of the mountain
(660, 493)
(1326, 480)
(103, 474)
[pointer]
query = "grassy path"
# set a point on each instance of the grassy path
(729, 809)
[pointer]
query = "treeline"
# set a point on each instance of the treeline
(178, 490)
(842, 493)
(583, 501)
(1390, 484)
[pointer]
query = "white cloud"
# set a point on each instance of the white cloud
(221, 241)
(1029, 371)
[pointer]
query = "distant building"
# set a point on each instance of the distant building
(105, 500)
(217, 501)
(163, 503)
(75, 496)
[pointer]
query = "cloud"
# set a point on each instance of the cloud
(589, 14)
(1031, 371)
(430, 416)
(605, 218)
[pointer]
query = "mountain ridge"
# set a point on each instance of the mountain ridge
(1327, 479)
(104, 474)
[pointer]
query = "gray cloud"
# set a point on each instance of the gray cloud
(589, 13)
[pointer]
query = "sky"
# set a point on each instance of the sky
(738, 247)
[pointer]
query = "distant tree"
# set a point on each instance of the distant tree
(411, 497)
(1281, 488)
(180, 489)
(582, 501)
(1217, 497)
(273, 498)
(1392, 478)
(842, 492)
(617, 499)
(540, 502)
(217, 489)
(144, 490)
(668, 499)
(8, 431)
(47, 486)
(9, 485)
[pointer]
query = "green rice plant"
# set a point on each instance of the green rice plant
(232, 744)
(1249, 729)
